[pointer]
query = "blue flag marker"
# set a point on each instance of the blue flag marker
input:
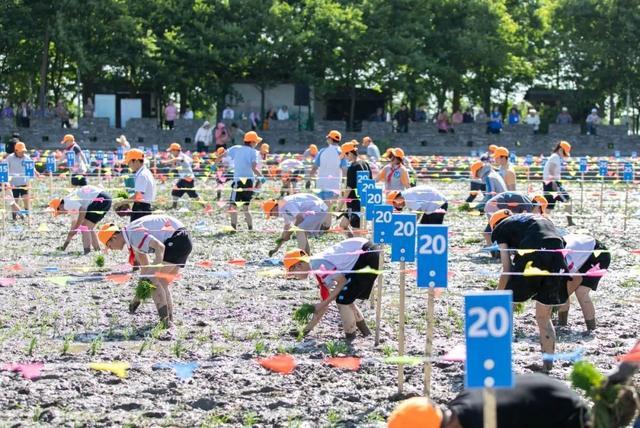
(528, 160)
(627, 172)
(29, 168)
(512, 157)
(433, 256)
(488, 333)
(71, 159)
(583, 164)
(99, 156)
(403, 242)
(154, 149)
(50, 165)
(364, 185)
(120, 153)
(373, 197)
(474, 154)
(4, 172)
(382, 230)
(604, 168)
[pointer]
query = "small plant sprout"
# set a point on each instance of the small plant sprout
(33, 343)
(336, 347)
(96, 345)
(260, 347)
(178, 348)
(100, 260)
(250, 419)
(66, 344)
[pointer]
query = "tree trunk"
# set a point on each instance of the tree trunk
(183, 100)
(44, 66)
(262, 101)
(486, 99)
(612, 108)
(352, 106)
(455, 102)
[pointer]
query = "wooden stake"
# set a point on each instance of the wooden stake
(4, 209)
(379, 296)
(401, 328)
(581, 192)
(428, 350)
(490, 408)
(626, 205)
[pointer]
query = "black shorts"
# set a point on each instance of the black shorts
(555, 187)
(353, 210)
(475, 186)
(603, 260)
(242, 192)
(435, 218)
(139, 210)
(359, 285)
(78, 180)
(98, 208)
(177, 248)
(182, 187)
(546, 289)
(19, 192)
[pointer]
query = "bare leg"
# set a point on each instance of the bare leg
(160, 299)
(247, 216)
(547, 332)
(588, 310)
(346, 225)
(86, 241)
(563, 311)
(94, 240)
(303, 242)
(348, 317)
(233, 214)
(356, 312)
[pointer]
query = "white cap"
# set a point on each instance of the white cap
(564, 109)
(594, 110)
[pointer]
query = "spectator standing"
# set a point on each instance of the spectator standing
(443, 123)
(533, 120)
(564, 117)
(467, 117)
(235, 134)
(88, 109)
(514, 116)
(593, 120)
(378, 116)
(481, 116)
(204, 137)
(188, 113)
(457, 118)
(421, 115)
(494, 126)
(7, 112)
(373, 152)
(24, 115)
(170, 114)
(254, 119)
(228, 113)
(50, 112)
(63, 114)
(402, 117)
(222, 136)
(283, 113)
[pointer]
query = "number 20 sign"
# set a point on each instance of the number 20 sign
(488, 331)
(403, 243)
(433, 256)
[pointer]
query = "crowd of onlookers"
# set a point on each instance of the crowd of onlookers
(23, 113)
(494, 121)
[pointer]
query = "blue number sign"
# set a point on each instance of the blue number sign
(50, 166)
(512, 157)
(71, 159)
(99, 156)
(583, 164)
(403, 242)
(488, 331)
(617, 154)
(528, 160)
(120, 153)
(627, 172)
(382, 230)
(29, 168)
(364, 185)
(154, 149)
(4, 172)
(373, 197)
(604, 168)
(433, 256)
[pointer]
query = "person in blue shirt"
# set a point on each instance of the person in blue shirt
(494, 126)
(330, 165)
(514, 116)
(246, 177)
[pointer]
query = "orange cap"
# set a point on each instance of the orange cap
(293, 257)
(269, 205)
(313, 149)
(541, 201)
(54, 205)
(20, 147)
(133, 154)
(391, 196)
(106, 232)
(264, 148)
(348, 147)
(416, 412)
(174, 146)
(492, 148)
(68, 139)
(498, 216)
(475, 167)
(252, 137)
(220, 151)
(335, 135)
(501, 152)
(398, 153)
(565, 146)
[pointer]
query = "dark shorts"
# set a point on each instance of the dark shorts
(293, 176)
(435, 218)
(182, 187)
(78, 180)
(359, 285)
(353, 211)
(549, 190)
(603, 260)
(201, 147)
(242, 192)
(177, 248)
(19, 192)
(98, 208)
(546, 289)
(139, 210)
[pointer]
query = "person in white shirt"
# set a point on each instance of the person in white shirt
(291, 171)
(307, 213)
(422, 199)
(144, 187)
(92, 204)
(182, 162)
(81, 163)
(188, 114)
(592, 121)
(18, 176)
(204, 137)
(584, 253)
(373, 152)
(228, 113)
(164, 237)
(533, 120)
(283, 113)
(551, 175)
(330, 165)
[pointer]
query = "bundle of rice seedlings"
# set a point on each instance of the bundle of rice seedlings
(144, 289)
(100, 260)
(303, 314)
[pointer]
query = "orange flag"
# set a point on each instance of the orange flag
(348, 363)
(282, 363)
(118, 278)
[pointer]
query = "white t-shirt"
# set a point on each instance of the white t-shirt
(552, 168)
(582, 247)
(290, 165)
(339, 257)
(330, 164)
(17, 174)
(80, 199)
(183, 164)
(301, 203)
(373, 152)
(162, 227)
(145, 184)
(423, 198)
